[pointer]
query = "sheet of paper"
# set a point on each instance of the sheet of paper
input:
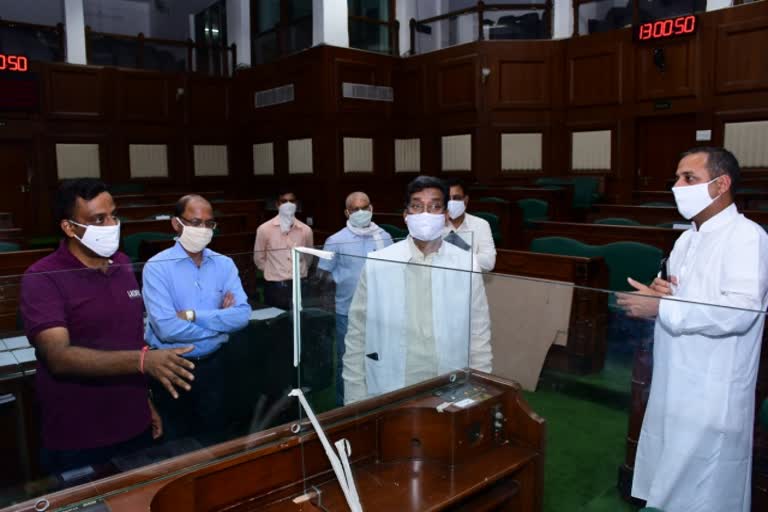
(266, 313)
(16, 342)
(25, 355)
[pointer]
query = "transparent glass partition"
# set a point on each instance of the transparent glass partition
(534, 394)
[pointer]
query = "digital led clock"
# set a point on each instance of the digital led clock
(18, 63)
(663, 29)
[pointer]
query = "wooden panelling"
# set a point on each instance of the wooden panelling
(208, 99)
(75, 92)
(456, 83)
(742, 59)
(594, 77)
(143, 96)
(408, 90)
(676, 79)
(523, 83)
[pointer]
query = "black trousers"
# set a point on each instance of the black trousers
(279, 294)
(199, 413)
(58, 461)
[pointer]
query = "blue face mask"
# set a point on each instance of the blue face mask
(361, 218)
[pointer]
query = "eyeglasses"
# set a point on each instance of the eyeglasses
(197, 223)
(421, 208)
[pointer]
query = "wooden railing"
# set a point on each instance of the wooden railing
(220, 60)
(480, 9)
(55, 33)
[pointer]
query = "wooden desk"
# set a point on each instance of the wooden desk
(123, 200)
(228, 223)
(560, 199)
(253, 208)
(587, 336)
(405, 456)
(654, 215)
(13, 264)
(746, 200)
(601, 234)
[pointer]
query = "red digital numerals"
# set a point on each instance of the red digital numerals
(666, 28)
(13, 63)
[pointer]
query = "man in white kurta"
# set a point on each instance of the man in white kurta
(476, 232)
(419, 311)
(695, 448)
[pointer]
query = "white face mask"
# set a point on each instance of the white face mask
(287, 213)
(103, 240)
(456, 209)
(361, 218)
(692, 199)
(194, 239)
(425, 226)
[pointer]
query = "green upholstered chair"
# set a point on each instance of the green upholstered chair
(623, 259)
(395, 232)
(533, 209)
(9, 246)
(764, 414)
(131, 242)
(494, 222)
(630, 259)
(490, 199)
(618, 221)
(43, 242)
(585, 188)
(563, 246)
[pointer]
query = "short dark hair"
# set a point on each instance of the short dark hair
(422, 182)
(181, 204)
(720, 161)
(285, 190)
(70, 190)
(456, 182)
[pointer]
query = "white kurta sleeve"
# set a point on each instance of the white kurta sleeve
(480, 356)
(486, 249)
(355, 388)
(743, 287)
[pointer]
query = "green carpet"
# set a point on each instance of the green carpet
(585, 446)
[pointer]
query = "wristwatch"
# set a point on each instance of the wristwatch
(189, 314)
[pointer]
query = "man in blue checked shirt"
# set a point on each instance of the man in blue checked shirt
(194, 296)
(351, 245)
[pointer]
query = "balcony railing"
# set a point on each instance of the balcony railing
(140, 52)
(482, 22)
(36, 42)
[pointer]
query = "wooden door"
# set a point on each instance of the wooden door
(14, 187)
(660, 140)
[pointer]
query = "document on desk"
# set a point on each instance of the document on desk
(16, 342)
(266, 313)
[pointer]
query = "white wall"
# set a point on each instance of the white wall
(117, 16)
(41, 12)
(239, 29)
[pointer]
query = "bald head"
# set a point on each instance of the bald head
(191, 201)
(357, 200)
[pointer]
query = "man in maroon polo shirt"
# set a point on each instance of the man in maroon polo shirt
(82, 312)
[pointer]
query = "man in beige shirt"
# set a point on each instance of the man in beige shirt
(272, 250)
(420, 308)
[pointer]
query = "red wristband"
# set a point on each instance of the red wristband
(141, 357)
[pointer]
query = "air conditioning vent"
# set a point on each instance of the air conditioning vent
(367, 92)
(276, 96)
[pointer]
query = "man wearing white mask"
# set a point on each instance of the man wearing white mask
(695, 448)
(193, 295)
(272, 250)
(419, 309)
(82, 311)
(360, 237)
(472, 230)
